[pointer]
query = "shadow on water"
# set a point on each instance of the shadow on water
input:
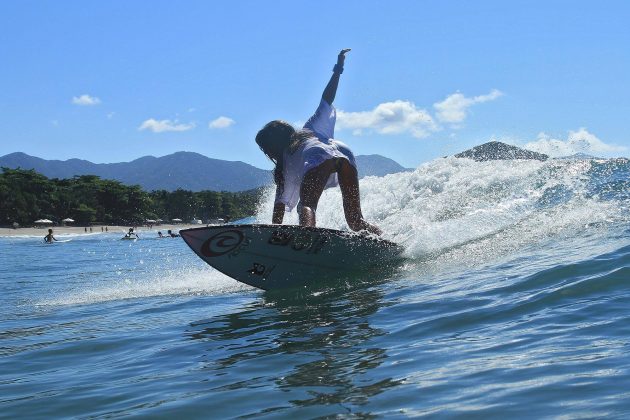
(319, 347)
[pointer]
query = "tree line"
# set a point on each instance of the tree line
(26, 195)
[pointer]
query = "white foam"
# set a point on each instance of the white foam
(206, 281)
(453, 202)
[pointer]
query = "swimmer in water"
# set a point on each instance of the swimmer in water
(49, 239)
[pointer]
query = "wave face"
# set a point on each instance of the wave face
(513, 301)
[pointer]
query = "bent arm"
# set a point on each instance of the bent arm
(331, 88)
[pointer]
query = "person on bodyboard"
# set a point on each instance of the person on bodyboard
(131, 234)
(309, 160)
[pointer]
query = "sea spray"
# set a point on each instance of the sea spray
(140, 269)
(198, 281)
(452, 203)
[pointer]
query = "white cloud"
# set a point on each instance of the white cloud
(454, 108)
(221, 122)
(164, 125)
(389, 118)
(580, 141)
(85, 100)
(400, 116)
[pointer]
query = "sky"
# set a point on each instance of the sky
(111, 81)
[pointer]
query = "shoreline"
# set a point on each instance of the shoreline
(80, 230)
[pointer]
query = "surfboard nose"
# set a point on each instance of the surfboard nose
(193, 237)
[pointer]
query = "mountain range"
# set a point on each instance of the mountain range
(195, 172)
(186, 170)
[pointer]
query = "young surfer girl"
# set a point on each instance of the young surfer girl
(310, 160)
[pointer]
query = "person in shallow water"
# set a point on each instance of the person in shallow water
(310, 160)
(49, 238)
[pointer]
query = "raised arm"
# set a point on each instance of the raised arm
(331, 88)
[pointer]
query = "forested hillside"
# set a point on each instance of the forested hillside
(26, 196)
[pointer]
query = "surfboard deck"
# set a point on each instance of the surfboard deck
(283, 256)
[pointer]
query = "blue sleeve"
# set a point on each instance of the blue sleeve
(322, 123)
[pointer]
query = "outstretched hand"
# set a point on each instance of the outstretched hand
(342, 56)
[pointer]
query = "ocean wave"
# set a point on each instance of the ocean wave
(452, 203)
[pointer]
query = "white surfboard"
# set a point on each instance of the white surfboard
(280, 256)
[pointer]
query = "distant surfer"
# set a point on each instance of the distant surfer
(50, 238)
(131, 235)
(310, 160)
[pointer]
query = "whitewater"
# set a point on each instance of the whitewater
(513, 300)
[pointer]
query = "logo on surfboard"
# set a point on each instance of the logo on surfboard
(222, 243)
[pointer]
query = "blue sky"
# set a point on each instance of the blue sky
(113, 81)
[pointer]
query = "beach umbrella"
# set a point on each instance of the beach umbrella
(43, 222)
(176, 220)
(68, 220)
(150, 221)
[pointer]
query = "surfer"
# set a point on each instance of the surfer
(131, 235)
(310, 160)
(50, 238)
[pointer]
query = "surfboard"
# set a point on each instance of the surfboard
(283, 256)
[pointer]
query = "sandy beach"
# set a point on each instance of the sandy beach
(78, 230)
